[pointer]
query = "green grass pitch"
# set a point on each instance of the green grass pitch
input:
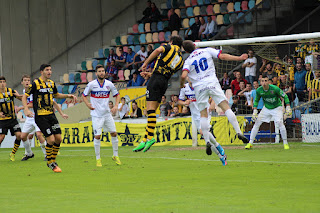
(165, 179)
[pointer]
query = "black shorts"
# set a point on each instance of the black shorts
(48, 124)
(11, 124)
(156, 87)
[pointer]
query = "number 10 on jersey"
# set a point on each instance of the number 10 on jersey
(203, 65)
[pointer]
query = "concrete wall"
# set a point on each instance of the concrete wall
(37, 31)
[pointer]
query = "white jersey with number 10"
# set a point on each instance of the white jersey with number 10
(200, 66)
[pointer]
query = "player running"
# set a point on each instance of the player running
(169, 61)
(99, 91)
(200, 69)
(272, 110)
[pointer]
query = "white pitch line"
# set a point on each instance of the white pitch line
(311, 145)
(189, 159)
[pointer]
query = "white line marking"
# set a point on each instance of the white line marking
(310, 145)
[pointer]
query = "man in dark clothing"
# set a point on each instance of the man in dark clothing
(174, 21)
(147, 12)
(194, 30)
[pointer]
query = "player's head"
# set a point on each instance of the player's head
(123, 100)
(265, 80)
(176, 40)
(188, 46)
(299, 66)
(250, 53)
(255, 84)
(249, 86)
(235, 99)
(283, 78)
(299, 60)
(25, 80)
(3, 82)
(308, 66)
(242, 84)
(45, 70)
(100, 72)
(175, 98)
(238, 75)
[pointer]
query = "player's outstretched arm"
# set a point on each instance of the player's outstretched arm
(58, 108)
(27, 112)
(63, 96)
(153, 55)
(228, 57)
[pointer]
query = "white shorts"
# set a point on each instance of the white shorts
(267, 115)
(203, 92)
(29, 126)
(106, 123)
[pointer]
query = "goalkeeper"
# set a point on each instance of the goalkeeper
(272, 110)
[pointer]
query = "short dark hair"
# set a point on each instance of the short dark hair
(249, 83)
(176, 40)
(242, 81)
(123, 98)
(2, 78)
(25, 76)
(188, 46)
(99, 66)
(43, 66)
(264, 75)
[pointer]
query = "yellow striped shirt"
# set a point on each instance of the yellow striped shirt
(7, 104)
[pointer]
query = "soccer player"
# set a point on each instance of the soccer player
(8, 118)
(169, 61)
(272, 110)
(30, 124)
(43, 90)
(200, 69)
(99, 91)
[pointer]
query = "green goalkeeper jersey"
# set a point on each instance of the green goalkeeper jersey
(271, 98)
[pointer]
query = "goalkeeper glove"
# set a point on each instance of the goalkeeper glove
(288, 111)
(255, 115)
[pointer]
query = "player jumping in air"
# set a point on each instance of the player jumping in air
(169, 61)
(99, 91)
(200, 69)
(272, 110)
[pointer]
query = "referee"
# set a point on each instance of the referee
(44, 90)
(169, 61)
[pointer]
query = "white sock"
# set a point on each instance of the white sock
(43, 148)
(205, 128)
(233, 120)
(114, 141)
(276, 131)
(283, 133)
(194, 134)
(213, 140)
(254, 131)
(27, 147)
(96, 143)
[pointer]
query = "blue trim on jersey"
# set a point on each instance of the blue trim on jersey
(100, 84)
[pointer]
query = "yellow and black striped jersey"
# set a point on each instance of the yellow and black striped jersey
(315, 85)
(312, 48)
(308, 79)
(300, 51)
(42, 96)
(7, 104)
(170, 61)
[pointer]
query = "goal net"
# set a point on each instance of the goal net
(292, 63)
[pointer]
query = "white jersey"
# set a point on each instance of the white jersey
(99, 96)
(200, 66)
(187, 93)
(29, 100)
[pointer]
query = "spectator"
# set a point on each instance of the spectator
(299, 83)
(194, 30)
(314, 92)
(290, 68)
(235, 105)
(112, 71)
(254, 94)
(225, 82)
(311, 48)
(259, 79)
(112, 56)
(110, 107)
(250, 65)
(211, 29)
(155, 14)
(235, 83)
(185, 111)
(300, 51)
(174, 103)
(270, 73)
(142, 54)
(174, 21)
(123, 109)
(202, 26)
(263, 66)
(146, 13)
(286, 86)
(136, 111)
(175, 112)
(247, 94)
(233, 75)
(121, 59)
(145, 113)
(165, 108)
(309, 76)
(136, 80)
(150, 50)
(241, 97)
(129, 59)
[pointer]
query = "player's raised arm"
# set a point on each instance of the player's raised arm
(228, 57)
(153, 55)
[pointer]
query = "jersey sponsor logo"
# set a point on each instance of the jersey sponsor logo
(207, 88)
(191, 97)
(271, 100)
(2, 100)
(45, 90)
(100, 94)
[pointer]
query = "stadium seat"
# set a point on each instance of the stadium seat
(89, 76)
(169, 5)
(164, 13)
(233, 17)
(136, 39)
(248, 18)
(77, 78)
(127, 75)
(219, 20)
(162, 37)
(165, 24)
(226, 19)
(185, 23)
(147, 27)
(244, 5)
(59, 88)
(220, 1)
(130, 39)
(203, 10)
(210, 9)
(89, 65)
(196, 11)
(142, 39)
(223, 8)
(106, 52)
(153, 26)
(160, 26)
(230, 7)
(94, 64)
(266, 4)
(213, 1)
(190, 12)
(84, 65)
(191, 21)
(141, 28)
(155, 37)
(181, 3)
(118, 42)
(137, 48)
(149, 37)
(200, 2)
(174, 33)
(237, 6)
(251, 4)
(169, 14)
(83, 77)
(101, 62)
(239, 15)
(183, 13)
(187, 3)
(64, 106)
(71, 78)
(194, 2)
(216, 9)
(174, 3)
(125, 49)
(120, 75)
(230, 32)
(124, 40)
(178, 12)
(100, 53)
(181, 34)
(130, 30)
(135, 28)
(72, 89)
(214, 18)
(167, 36)
(156, 45)
(66, 78)
(65, 89)
(258, 2)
